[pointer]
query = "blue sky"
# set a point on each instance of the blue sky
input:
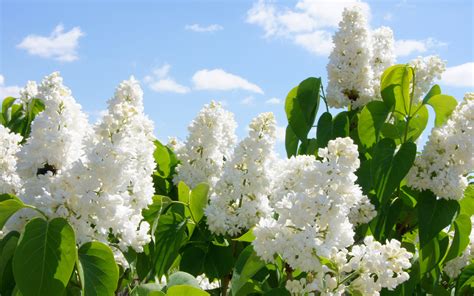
(248, 54)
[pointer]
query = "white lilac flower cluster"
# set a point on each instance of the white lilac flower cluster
(98, 178)
(454, 267)
(370, 266)
(427, 70)
(448, 156)
(312, 200)
(9, 145)
(240, 196)
(357, 61)
(209, 144)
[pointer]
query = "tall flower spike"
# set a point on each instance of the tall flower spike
(241, 195)
(382, 55)
(55, 143)
(114, 184)
(448, 156)
(209, 145)
(311, 200)
(9, 145)
(350, 73)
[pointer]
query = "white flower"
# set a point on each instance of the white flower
(350, 73)
(208, 146)
(240, 196)
(30, 91)
(427, 69)
(113, 185)
(312, 200)
(205, 284)
(9, 145)
(383, 55)
(448, 156)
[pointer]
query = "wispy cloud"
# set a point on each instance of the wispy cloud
(273, 101)
(59, 45)
(411, 46)
(160, 81)
(204, 29)
(248, 100)
(309, 24)
(8, 91)
(459, 76)
(218, 79)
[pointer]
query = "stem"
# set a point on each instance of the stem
(289, 272)
(324, 98)
(409, 107)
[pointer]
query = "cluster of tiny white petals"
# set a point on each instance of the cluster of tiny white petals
(205, 284)
(427, 70)
(350, 74)
(9, 145)
(383, 55)
(300, 287)
(311, 200)
(240, 196)
(98, 178)
(363, 212)
(56, 141)
(371, 266)
(454, 267)
(448, 156)
(113, 185)
(30, 91)
(209, 144)
(57, 133)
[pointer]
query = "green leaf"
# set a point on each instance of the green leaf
(291, 142)
(7, 103)
(371, 119)
(45, 257)
(433, 252)
(9, 205)
(98, 271)
(182, 290)
(277, 292)
(247, 265)
(435, 90)
(246, 237)
(417, 124)
(465, 280)
(182, 278)
(467, 202)
(301, 106)
(193, 259)
(434, 215)
(388, 170)
(340, 125)
(198, 201)
(462, 229)
(170, 235)
(443, 105)
(219, 261)
(324, 129)
(296, 118)
(162, 159)
(399, 78)
(7, 249)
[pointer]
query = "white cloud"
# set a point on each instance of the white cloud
(218, 79)
(317, 42)
(273, 101)
(249, 101)
(59, 45)
(309, 24)
(160, 81)
(8, 91)
(410, 46)
(280, 133)
(204, 29)
(459, 76)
